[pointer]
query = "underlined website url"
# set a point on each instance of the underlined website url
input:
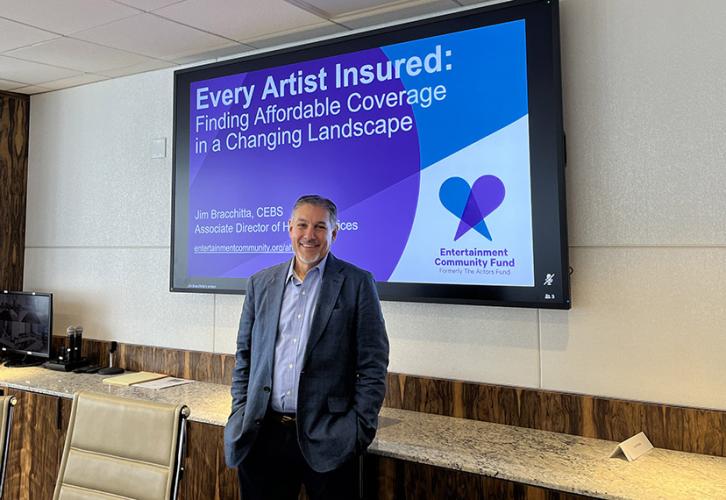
(241, 249)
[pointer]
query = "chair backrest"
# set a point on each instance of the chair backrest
(124, 447)
(6, 422)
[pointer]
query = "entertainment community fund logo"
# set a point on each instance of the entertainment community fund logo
(472, 204)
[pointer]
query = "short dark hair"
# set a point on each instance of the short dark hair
(319, 201)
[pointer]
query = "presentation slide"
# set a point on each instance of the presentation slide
(424, 146)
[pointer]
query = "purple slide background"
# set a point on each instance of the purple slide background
(356, 173)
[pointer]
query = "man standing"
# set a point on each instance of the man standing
(309, 378)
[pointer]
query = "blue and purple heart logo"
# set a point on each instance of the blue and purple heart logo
(471, 205)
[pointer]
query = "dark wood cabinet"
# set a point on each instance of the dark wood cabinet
(206, 476)
(392, 479)
(39, 429)
(36, 445)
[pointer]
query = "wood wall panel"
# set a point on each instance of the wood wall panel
(14, 131)
(672, 427)
(554, 411)
(196, 365)
(488, 403)
(677, 428)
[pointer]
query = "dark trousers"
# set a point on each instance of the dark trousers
(275, 469)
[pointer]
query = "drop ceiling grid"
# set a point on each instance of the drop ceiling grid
(48, 45)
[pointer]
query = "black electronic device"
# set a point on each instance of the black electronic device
(58, 366)
(87, 369)
(77, 344)
(26, 325)
(68, 358)
(66, 354)
(61, 365)
(441, 141)
(110, 369)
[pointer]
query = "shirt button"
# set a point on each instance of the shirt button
(258, 421)
(299, 316)
(294, 341)
(290, 366)
(266, 389)
(289, 392)
(303, 293)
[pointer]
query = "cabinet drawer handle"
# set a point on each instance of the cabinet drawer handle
(58, 416)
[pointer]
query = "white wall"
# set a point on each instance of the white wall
(645, 113)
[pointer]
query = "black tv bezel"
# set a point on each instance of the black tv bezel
(43, 355)
(546, 148)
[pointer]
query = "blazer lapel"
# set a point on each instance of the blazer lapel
(276, 289)
(329, 291)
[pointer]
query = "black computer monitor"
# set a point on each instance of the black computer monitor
(26, 326)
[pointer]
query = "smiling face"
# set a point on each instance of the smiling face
(311, 234)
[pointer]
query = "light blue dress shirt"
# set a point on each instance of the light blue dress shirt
(298, 307)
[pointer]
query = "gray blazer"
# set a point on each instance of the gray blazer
(342, 382)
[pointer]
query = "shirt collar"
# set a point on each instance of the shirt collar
(320, 265)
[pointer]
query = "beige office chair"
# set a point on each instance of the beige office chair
(122, 448)
(7, 404)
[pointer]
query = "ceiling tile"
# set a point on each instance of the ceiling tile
(66, 16)
(31, 73)
(299, 36)
(8, 85)
(341, 7)
(16, 35)
(148, 5)
(31, 89)
(77, 54)
(150, 65)
(154, 36)
(73, 81)
(482, 2)
(241, 20)
(398, 12)
(233, 50)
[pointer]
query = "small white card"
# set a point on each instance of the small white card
(633, 448)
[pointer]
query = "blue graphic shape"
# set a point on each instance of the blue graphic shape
(484, 71)
(482, 229)
(456, 196)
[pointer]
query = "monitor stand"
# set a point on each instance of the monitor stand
(27, 360)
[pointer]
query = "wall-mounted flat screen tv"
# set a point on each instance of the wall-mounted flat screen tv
(440, 140)
(26, 326)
